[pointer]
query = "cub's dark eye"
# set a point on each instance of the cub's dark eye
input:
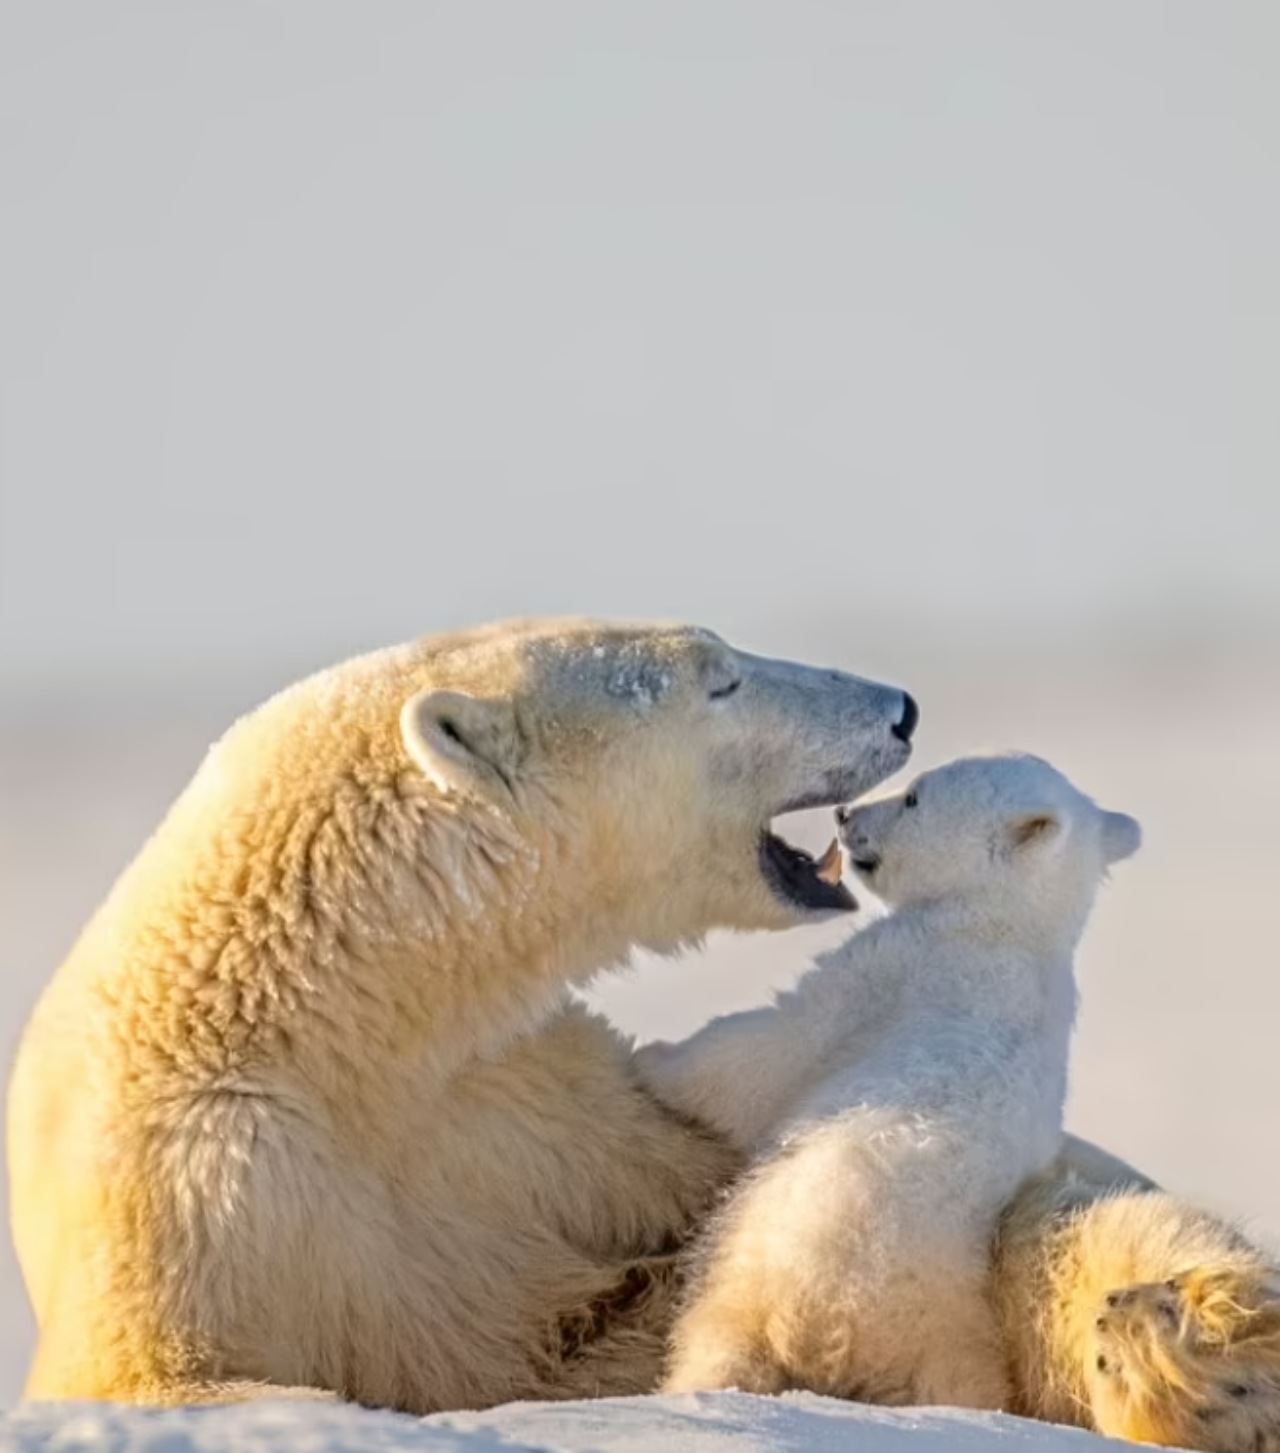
(1237, 1390)
(910, 800)
(722, 693)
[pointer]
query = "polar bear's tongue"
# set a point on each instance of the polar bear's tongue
(815, 884)
(830, 866)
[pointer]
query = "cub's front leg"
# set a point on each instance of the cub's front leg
(737, 1074)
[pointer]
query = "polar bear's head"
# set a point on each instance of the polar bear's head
(642, 765)
(989, 825)
(456, 828)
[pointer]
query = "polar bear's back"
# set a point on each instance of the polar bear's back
(942, 1036)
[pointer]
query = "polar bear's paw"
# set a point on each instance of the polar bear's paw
(1192, 1362)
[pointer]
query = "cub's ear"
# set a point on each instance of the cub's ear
(463, 744)
(1121, 836)
(1034, 830)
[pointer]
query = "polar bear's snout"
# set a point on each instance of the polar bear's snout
(855, 838)
(793, 738)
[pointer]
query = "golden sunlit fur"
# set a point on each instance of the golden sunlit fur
(308, 1105)
(1128, 1311)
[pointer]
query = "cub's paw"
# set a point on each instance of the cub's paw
(670, 1071)
(1192, 1362)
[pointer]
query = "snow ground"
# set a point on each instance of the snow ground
(693, 1423)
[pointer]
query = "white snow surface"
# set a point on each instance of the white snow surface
(726, 1422)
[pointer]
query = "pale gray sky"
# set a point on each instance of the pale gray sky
(323, 325)
(865, 332)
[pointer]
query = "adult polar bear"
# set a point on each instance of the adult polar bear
(307, 1106)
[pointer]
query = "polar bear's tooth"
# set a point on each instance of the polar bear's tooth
(830, 866)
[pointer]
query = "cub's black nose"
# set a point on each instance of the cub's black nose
(910, 716)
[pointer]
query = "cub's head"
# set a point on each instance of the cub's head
(989, 825)
(1193, 1362)
(640, 767)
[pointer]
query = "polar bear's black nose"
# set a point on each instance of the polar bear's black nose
(910, 716)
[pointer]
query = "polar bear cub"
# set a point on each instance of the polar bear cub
(896, 1098)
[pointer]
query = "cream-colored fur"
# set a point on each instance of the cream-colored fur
(307, 1106)
(1127, 1310)
(896, 1098)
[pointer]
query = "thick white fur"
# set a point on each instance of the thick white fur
(896, 1098)
(306, 1105)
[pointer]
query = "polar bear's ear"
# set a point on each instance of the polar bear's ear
(1032, 830)
(1121, 836)
(462, 743)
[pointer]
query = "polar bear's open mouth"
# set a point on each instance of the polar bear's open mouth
(802, 880)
